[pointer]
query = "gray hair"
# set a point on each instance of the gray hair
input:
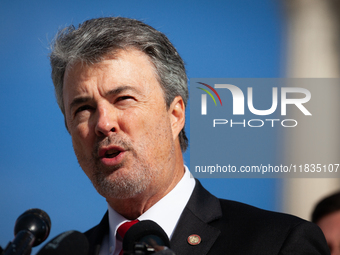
(96, 38)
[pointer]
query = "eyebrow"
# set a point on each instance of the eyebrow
(80, 100)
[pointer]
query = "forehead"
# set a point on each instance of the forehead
(125, 68)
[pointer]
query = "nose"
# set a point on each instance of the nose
(106, 121)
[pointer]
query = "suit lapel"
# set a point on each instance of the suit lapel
(201, 209)
(96, 235)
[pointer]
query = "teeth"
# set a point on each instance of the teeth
(111, 153)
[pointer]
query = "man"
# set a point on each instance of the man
(122, 88)
(326, 215)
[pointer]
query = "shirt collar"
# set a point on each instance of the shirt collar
(166, 212)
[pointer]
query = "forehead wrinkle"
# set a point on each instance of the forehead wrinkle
(83, 99)
(122, 89)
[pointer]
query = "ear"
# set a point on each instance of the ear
(177, 116)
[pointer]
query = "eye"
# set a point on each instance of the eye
(124, 101)
(83, 108)
(122, 98)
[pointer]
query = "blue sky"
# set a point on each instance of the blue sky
(38, 167)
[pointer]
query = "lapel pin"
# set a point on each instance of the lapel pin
(194, 239)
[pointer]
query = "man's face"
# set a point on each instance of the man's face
(122, 133)
(330, 226)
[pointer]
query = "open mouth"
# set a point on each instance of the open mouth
(111, 153)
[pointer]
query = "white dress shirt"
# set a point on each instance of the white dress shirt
(166, 213)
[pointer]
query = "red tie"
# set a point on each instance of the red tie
(124, 228)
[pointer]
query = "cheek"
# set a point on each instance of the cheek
(81, 137)
(141, 127)
(133, 123)
(158, 130)
(82, 130)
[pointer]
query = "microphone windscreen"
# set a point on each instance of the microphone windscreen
(67, 243)
(146, 231)
(35, 221)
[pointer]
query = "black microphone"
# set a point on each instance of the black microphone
(31, 229)
(67, 243)
(146, 237)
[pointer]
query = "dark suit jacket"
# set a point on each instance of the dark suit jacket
(228, 227)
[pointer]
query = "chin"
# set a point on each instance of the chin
(119, 187)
